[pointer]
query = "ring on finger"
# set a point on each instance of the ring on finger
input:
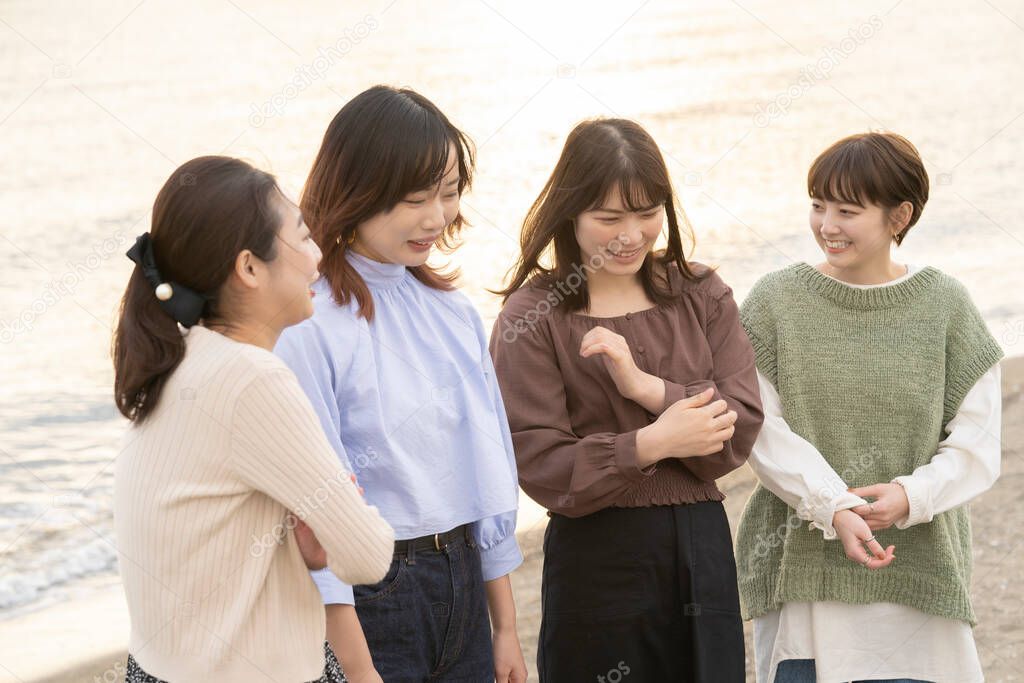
(870, 539)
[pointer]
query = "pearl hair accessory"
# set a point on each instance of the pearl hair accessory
(184, 305)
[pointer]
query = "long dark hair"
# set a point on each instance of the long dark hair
(208, 211)
(381, 146)
(600, 154)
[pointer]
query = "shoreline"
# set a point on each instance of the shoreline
(86, 639)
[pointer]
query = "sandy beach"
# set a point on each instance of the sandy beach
(89, 636)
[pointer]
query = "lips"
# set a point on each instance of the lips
(423, 245)
(626, 256)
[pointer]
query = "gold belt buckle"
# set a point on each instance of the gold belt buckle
(437, 542)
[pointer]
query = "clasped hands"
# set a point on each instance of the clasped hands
(856, 526)
(693, 427)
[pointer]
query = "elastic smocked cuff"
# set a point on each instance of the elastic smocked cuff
(625, 457)
(501, 559)
(333, 591)
(673, 393)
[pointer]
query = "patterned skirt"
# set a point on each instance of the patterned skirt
(332, 671)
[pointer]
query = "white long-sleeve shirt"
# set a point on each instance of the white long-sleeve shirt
(881, 640)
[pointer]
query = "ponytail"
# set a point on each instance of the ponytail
(148, 346)
(209, 210)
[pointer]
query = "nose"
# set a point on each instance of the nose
(828, 223)
(435, 220)
(633, 235)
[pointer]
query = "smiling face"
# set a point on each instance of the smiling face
(618, 238)
(290, 298)
(852, 237)
(407, 232)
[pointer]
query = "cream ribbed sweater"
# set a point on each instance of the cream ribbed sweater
(216, 585)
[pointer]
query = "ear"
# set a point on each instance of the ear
(245, 269)
(900, 216)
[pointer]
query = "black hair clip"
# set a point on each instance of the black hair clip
(181, 303)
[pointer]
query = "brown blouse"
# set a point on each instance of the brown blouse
(575, 435)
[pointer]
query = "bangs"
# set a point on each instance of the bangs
(422, 157)
(846, 174)
(638, 190)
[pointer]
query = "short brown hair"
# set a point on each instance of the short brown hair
(876, 168)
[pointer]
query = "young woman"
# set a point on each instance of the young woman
(223, 443)
(864, 364)
(395, 361)
(630, 388)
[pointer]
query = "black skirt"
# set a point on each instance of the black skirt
(332, 671)
(641, 594)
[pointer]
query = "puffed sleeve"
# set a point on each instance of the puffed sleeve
(734, 380)
(496, 536)
(303, 349)
(568, 474)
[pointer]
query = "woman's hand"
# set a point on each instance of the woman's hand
(687, 428)
(890, 505)
(632, 382)
(345, 634)
(509, 664)
(313, 554)
(854, 534)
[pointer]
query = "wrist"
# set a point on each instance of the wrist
(644, 388)
(650, 446)
(505, 629)
(839, 516)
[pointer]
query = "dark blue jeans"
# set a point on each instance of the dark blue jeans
(428, 620)
(802, 671)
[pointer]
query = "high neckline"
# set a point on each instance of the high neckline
(849, 296)
(377, 275)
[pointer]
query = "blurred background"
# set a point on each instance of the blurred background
(100, 101)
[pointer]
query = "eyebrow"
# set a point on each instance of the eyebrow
(620, 211)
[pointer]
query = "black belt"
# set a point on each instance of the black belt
(434, 542)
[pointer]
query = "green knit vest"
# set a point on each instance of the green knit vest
(870, 377)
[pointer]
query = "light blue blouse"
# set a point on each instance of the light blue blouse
(411, 405)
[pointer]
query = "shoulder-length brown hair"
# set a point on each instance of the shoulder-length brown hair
(599, 155)
(209, 210)
(382, 145)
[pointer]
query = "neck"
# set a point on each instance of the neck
(602, 284)
(358, 248)
(866, 274)
(257, 334)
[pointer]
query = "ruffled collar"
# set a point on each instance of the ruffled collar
(377, 275)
